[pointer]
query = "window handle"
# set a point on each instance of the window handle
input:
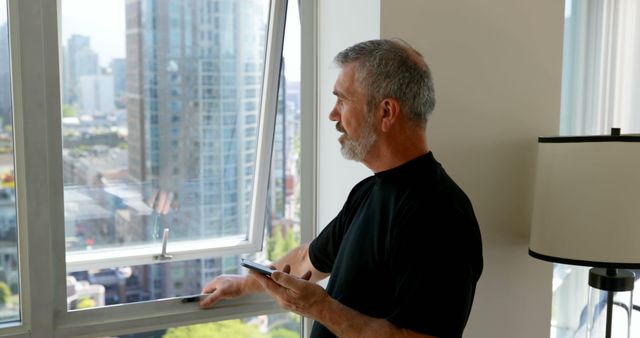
(163, 256)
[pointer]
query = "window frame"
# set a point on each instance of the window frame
(35, 70)
(17, 328)
(181, 250)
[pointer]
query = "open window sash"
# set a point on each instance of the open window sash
(251, 241)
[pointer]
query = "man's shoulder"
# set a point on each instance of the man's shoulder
(364, 185)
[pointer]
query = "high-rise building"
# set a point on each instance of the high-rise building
(279, 157)
(193, 79)
(5, 77)
(118, 71)
(79, 60)
(95, 94)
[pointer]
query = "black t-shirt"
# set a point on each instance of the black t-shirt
(405, 247)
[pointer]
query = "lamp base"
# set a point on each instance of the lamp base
(606, 284)
(610, 279)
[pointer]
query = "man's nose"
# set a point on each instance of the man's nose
(334, 115)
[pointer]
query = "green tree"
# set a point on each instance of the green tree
(5, 294)
(85, 303)
(275, 244)
(284, 325)
(229, 328)
(69, 111)
(290, 241)
(284, 333)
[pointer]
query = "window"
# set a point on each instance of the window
(113, 150)
(263, 326)
(601, 67)
(9, 262)
(124, 189)
(601, 77)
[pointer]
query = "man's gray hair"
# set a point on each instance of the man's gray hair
(392, 69)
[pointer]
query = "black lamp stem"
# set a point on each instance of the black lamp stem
(609, 313)
(611, 280)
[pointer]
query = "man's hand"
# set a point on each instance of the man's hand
(227, 286)
(293, 293)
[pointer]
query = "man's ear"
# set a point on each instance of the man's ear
(390, 112)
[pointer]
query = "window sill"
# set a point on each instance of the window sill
(159, 314)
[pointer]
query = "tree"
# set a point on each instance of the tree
(5, 294)
(284, 333)
(69, 111)
(290, 241)
(85, 303)
(275, 244)
(225, 329)
(284, 325)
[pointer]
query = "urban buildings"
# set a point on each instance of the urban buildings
(184, 157)
(5, 77)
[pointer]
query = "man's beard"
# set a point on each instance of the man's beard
(357, 149)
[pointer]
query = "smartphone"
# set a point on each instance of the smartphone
(265, 270)
(193, 298)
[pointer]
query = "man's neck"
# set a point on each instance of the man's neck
(387, 154)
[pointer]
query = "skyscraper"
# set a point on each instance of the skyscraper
(5, 77)
(193, 79)
(95, 94)
(118, 72)
(79, 60)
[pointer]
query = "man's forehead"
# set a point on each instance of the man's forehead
(345, 83)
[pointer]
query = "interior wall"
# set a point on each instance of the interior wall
(340, 25)
(497, 69)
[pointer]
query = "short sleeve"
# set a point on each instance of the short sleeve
(323, 250)
(433, 273)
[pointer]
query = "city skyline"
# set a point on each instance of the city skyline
(108, 42)
(195, 100)
(187, 157)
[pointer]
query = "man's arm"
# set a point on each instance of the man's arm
(299, 262)
(231, 286)
(311, 300)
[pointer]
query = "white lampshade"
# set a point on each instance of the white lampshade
(586, 207)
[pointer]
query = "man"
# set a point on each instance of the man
(404, 253)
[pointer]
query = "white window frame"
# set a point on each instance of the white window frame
(40, 209)
(181, 250)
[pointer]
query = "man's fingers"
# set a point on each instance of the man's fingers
(287, 280)
(208, 289)
(286, 268)
(269, 285)
(212, 298)
(306, 275)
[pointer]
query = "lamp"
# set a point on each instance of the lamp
(586, 211)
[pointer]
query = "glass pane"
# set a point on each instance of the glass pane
(592, 29)
(283, 232)
(9, 273)
(281, 325)
(601, 67)
(96, 288)
(570, 315)
(160, 114)
(128, 284)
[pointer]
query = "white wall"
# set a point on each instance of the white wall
(497, 69)
(340, 24)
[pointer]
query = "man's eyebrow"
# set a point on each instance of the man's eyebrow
(338, 93)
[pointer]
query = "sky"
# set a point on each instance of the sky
(104, 22)
(3, 12)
